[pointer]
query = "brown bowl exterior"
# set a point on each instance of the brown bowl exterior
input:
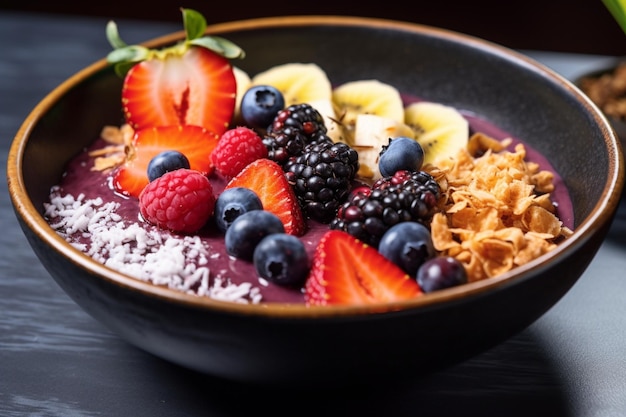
(292, 343)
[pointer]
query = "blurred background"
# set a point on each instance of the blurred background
(579, 26)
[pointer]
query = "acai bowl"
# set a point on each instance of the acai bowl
(291, 341)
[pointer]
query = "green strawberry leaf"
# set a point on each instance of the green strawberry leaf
(194, 24)
(134, 53)
(124, 56)
(222, 46)
(113, 35)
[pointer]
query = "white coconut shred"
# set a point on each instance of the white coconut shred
(176, 262)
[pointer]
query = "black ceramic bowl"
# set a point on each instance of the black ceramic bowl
(293, 343)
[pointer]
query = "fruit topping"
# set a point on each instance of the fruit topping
(346, 271)
(374, 97)
(408, 245)
(371, 133)
(406, 196)
(237, 148)
(232, 203)
(441, 130)
(242, 78)
(301, 117)
(298, 82)
(282, 146)
(260, 104)
(180, 201)
(322, 177)
(291, 130)
(441, 272)
(282, 259)
(195, 142)
(248, 229)
(401, 154)
(166, 161)
(189, 83)
(267, 179)
(400, 200)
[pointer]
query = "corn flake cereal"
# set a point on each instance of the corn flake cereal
(114, 154)
(496, 211)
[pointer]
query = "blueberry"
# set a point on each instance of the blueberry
(260, 104)
(282, 259)
(232, 203)
(408, 245)
(402, 153)
(248, 230)
(441, 272)
(166, 161)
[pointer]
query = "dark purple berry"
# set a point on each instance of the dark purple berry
(408, 245)
(282, 259)
(247, 230)
(321, 177)
(402, 153)
(260, 104)
(299, 117)
(232, 203)
(405, 196)
(441, 272)
(166, 161)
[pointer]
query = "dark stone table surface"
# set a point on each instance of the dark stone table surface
(55, 360)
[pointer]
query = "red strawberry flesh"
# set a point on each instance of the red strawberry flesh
(195, 88)
(195, 142)
(267, 179)
(347, 271)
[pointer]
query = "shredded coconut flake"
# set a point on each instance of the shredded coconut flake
(176, 262)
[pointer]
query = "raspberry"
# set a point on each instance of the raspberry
(180, 201)
(237, 148)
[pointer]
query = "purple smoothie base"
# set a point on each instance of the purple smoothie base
(80, 179)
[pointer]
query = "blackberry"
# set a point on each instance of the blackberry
(401, 176)
(301, 117)
(322, 177)
(405, 196)
(291, 130)
(284, 144)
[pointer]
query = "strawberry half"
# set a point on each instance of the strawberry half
(189, 83)
(195, 142)
(346, 271)
(196, 88)
(267, 179)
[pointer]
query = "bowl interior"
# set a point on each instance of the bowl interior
(511, 91)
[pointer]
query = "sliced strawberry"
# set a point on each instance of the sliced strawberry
(195, 88)
(189, 83)
(346, 271)
(267, 179)
(195, 142)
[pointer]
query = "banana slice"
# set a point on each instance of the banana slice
(243, 83)
(299, 82)
(371, 133)
(366, 97)
(441, 130)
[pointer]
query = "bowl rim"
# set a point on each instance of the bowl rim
(597, 219)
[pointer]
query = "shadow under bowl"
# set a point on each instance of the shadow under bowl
(294, 344)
